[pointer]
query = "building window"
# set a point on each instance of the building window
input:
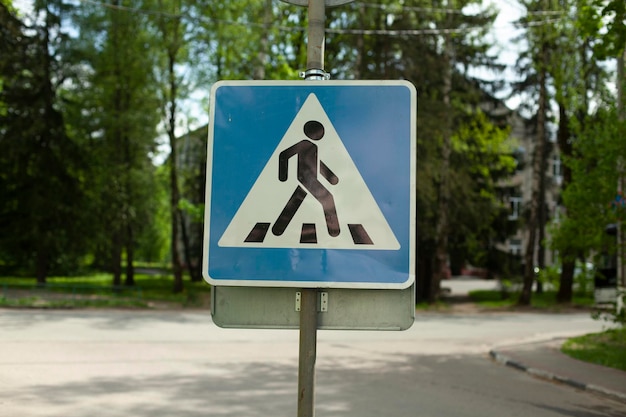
(515, 207)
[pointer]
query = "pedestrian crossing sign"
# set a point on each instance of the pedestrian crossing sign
(311, 184)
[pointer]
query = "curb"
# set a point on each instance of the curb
(539, 373)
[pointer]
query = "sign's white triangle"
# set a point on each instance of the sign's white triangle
(310, 194)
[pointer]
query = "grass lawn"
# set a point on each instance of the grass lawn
(546, 300)
(96, 290)
(607, 348)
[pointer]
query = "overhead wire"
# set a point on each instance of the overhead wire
(392, 8)
(131, 9)
(407, 8)
(284, 28)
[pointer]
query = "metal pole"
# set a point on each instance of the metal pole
(316, 35)
(308, 310)
(308, 353)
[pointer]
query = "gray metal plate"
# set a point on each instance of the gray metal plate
(348, 309)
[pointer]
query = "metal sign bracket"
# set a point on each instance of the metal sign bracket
(322, 301)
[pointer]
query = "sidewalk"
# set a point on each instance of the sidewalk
(545, 360)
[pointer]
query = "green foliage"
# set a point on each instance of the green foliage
(607, 20)
(114, 111)
(479, 156)
(583, 278)
(78, 184)
(508, 299)
(251, 39)
(41, 165)
(550, 276)
(488, 297)
(9, 5)
(607, 348)
(487, 150)
(594, 180)
(95, 290)
(153, 241)
(194, 211)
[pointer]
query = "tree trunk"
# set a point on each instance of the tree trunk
(174, 198)
(174, 191)
(568, 261)
(424, 269)
(441, 252)
(542, 220)
(116, 260)
(566, 281)
(42, 265)
(130, 258)
(621, 109)
(535, 201)
(193, 271)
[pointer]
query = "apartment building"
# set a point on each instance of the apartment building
(516, 191)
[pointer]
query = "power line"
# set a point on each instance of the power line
(282, 28)
(446, 10)
(409, 8)
(400, 32)
(535, 23)
(131, 9)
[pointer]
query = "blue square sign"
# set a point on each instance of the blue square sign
(311, 184)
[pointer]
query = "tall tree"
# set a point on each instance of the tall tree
(540, 38)
(121, 109)
(600, 35)
(615, 41)
(171, 34)
(590, 194)
(578, 79)
(41, 165)
(434, 46)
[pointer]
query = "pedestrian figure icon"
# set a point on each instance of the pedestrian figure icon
(309, 194)
(308, 177)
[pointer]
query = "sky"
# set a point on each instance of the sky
(507, 51)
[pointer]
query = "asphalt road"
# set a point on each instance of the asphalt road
(141, 363)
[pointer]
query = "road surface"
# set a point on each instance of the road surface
(179, 364)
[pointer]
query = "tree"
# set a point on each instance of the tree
(435, 48)
(251, 39)
(600, 37)
(578, 80)
(535, 65)
(615, 42)
(41, 166)
(172, 44)
(592, 190)
(120, 108)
